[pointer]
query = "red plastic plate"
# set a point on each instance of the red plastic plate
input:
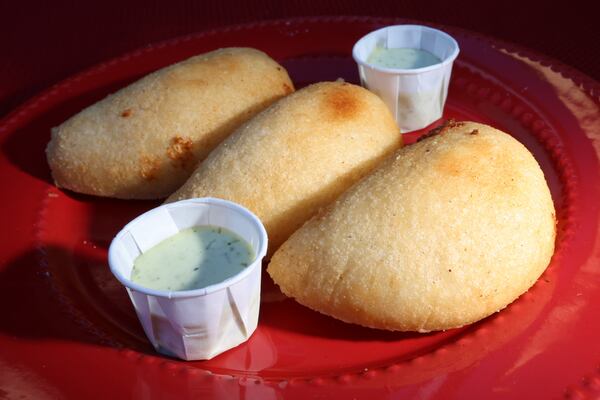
(69, 330)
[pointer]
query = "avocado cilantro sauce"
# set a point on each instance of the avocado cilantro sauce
(192, 259)
(402, 58)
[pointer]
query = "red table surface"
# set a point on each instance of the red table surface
(44, 42)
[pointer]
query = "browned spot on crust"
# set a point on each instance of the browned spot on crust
(149, 168)
(229, 62)
(439, 130)
(431, 133)
(469, 160)
(180, 151)
(126, 113)
(451, 123)
(341, 103)
(287, 88)
(475, 132)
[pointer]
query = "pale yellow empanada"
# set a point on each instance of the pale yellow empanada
(446, 232)
(145, 140)
(298, 155)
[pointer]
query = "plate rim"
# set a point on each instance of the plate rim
(29, 108)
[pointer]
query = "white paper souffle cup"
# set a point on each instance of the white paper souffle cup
(416, 97)
(193, 324)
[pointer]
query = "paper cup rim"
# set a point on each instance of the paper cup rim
(256, 263)
(406, 71)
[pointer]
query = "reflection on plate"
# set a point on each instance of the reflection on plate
(296, 351)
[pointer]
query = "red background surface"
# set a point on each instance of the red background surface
(42, 43)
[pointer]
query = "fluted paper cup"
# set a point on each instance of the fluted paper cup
(416, 97)
(193, 324)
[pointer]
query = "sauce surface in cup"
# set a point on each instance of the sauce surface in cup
(401, 58)
(194, 258)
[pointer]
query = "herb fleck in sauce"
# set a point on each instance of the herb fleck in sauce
(192, 259)
(402, 58)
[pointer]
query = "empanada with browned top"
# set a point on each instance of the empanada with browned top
(298, 155)
(145, 140)
(446, 232)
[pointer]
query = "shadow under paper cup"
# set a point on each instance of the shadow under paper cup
(201, 323)
(416, 97)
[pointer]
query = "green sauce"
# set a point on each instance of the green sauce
(402, 58)
(192, 259)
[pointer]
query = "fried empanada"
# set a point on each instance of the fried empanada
(144, 141)
(298, 155)
(446, 232)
